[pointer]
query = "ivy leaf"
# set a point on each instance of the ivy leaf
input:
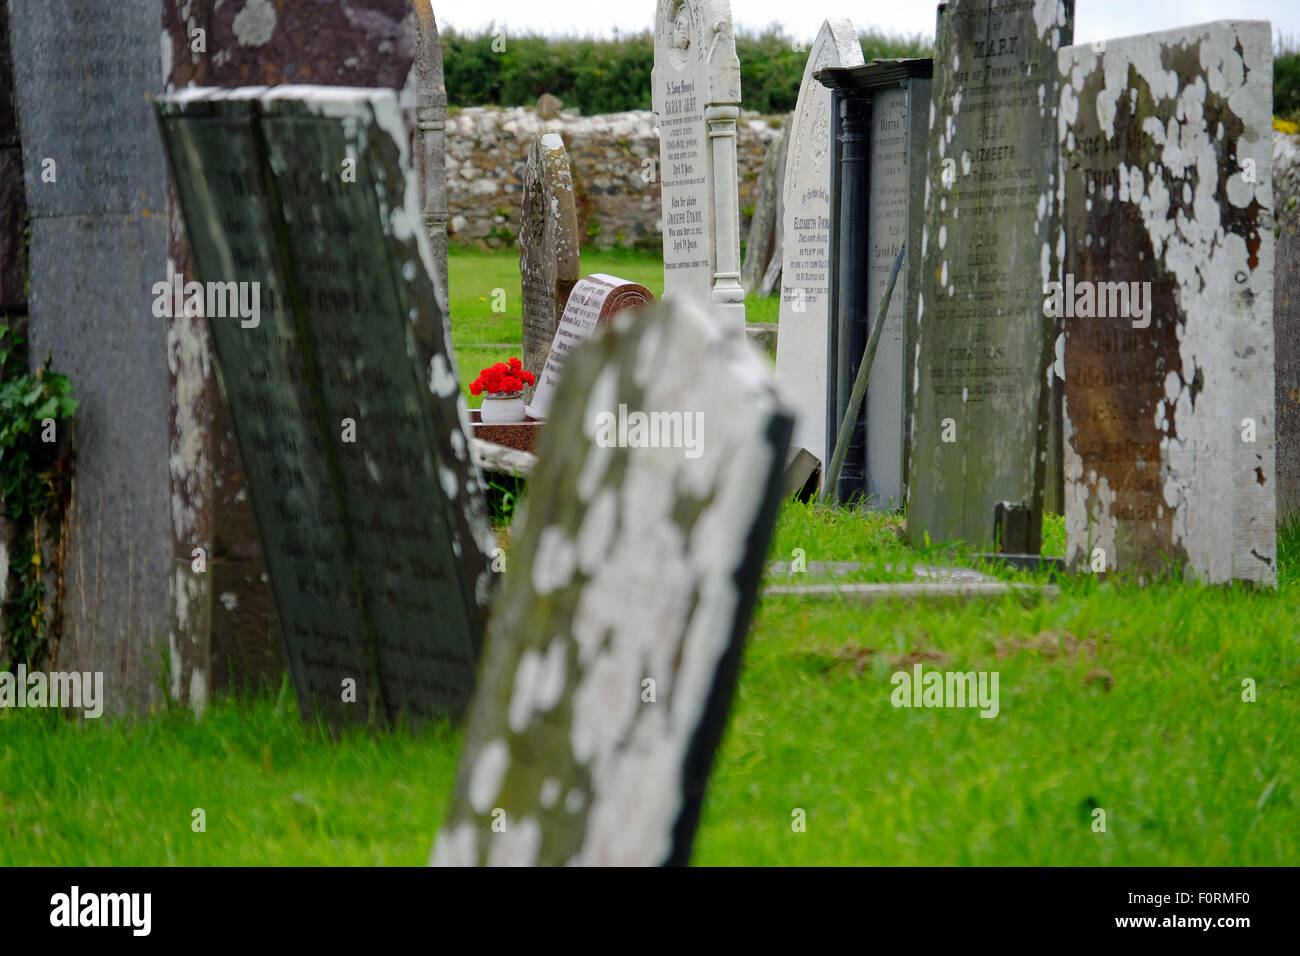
(47, 410)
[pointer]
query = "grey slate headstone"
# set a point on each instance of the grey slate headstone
(761, 242)
(614, 644)
(990, 241)
(1167, 301)
(376, 548)
(431, 136)
(83, 75)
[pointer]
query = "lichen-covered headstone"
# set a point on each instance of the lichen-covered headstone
(1167, 301)
(1286, 339)
(983, 409)
(548, 245)
(695, 88)
(341, 389)
(765, 224)
(805, 267)
(614, 645)
(595, 301)
(95, 183)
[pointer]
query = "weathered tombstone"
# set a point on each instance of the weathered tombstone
(696, 94)
(1167, 301)
(981, 424)
(1286, 339)
(879, 156)
(341, 388)
(548, 246)
(615, 642)
(431, 135)
(224, 628)
(595, 301)
(801, 346)
(83, 75)
(765, 225)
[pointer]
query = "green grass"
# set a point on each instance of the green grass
(1112, 697)
(475, 275)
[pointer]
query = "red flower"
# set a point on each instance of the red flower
(502, 377)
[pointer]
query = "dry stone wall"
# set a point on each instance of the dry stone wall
(612, 157)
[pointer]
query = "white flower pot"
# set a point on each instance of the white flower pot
(502, 408)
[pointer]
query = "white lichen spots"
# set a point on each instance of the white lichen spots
(943, 237)
(575, 801)
(198, 690)
(552, 141)
(597, 532)
(255, 24)
(550, 792)
(229, 600)
(456, 846)
(442, 378)
(483, 589)
(458, 444)
(450, 486)
(554, 562)
(539, 682)
(487, 776)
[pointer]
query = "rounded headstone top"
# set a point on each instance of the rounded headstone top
(548, 106)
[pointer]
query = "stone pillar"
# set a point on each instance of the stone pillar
(727, 295)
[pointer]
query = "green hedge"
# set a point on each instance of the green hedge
(608, 76)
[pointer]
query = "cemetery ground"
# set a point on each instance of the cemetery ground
(1112, 697)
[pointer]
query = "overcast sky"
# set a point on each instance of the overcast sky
(1093, 19)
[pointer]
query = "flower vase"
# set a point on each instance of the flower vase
(502, 408)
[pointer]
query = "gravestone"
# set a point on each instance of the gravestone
(595, 301)
(94, 179)
(1286, 339)
(431, 136)
(224, 629)
(1167, 302)
(801, 346)
(696, 93)
(983, 408)
(342, 389)
(548, 246)
(762, 241)
(614, 645)
(879, 159)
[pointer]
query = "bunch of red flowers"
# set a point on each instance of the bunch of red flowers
(502, 377)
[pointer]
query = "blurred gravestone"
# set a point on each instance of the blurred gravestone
(801, 346)
(1286, 338)
(695, 88)
(341, 389)
(548, 246)
(1166, 296)
(614, 645)
(94, 176)
(224, 625)
(982, 431)
(762, 241)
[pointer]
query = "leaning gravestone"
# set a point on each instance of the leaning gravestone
(431, 135)
(805, 269)
(1286, 339)
(1167, 300)
(224, 626)
(83, 75)
(548, 245)
(341, 388)
(614, 645)
(983, 408)
(696, 93)
(595, 301)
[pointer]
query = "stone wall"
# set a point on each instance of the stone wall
(612, 156)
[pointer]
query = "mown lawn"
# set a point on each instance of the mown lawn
(1111, 697)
